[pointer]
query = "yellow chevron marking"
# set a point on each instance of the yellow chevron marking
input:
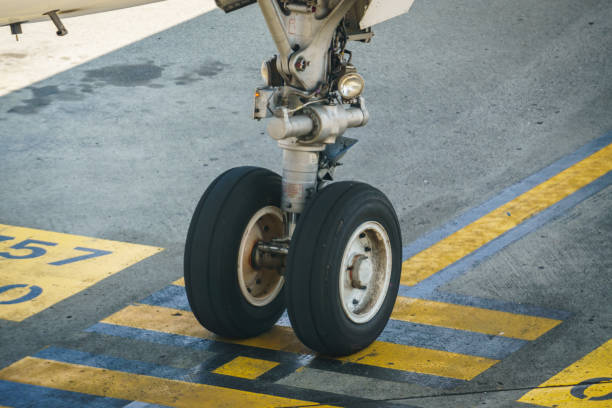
(135, 387)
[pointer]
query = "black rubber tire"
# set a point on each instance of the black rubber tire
(211, 253)
(314, 261)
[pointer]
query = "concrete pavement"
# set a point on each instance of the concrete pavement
(467, 99)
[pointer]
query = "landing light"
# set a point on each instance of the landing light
(351, 85)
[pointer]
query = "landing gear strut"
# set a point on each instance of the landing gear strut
(258, 242)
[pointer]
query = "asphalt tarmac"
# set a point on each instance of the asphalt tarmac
(490, 132)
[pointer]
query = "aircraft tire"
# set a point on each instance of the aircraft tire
(343, 268)
(227, 219)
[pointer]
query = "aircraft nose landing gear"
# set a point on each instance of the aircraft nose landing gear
(257, 241)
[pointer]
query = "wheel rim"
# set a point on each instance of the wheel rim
(365, 272)
(260, 286)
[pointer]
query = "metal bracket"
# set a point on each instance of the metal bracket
(329, 158)
(61, 30)
(315, 53)
(274, 20)
(306, 66)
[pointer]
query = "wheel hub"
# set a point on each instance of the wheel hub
(365, 272)
(360, 271)
(261, 283)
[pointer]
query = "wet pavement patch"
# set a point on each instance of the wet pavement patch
(208, 69)
(124, 74)
(43, 96)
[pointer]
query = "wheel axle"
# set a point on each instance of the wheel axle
(271, 255)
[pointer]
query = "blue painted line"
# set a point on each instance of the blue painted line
(272, 355)
(505, 196)
(111, 363)
(442, 338)
(18, 395)
(151, 336)
(426, 287)
(399, 332)
(494, 304)
(198, 375)
(171, 296)
(452, 340)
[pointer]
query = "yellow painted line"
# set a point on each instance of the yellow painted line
(561, 392)
(135, 387)
(180, 322)
(57, 282)
(463, 242)
(471, 318)
(179, 282)
(246, 367)
(421, 360)
(380, 354)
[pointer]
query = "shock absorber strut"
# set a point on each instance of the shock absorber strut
(300, 168)
(308, 110)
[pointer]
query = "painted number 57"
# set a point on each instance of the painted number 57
(32, 248)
